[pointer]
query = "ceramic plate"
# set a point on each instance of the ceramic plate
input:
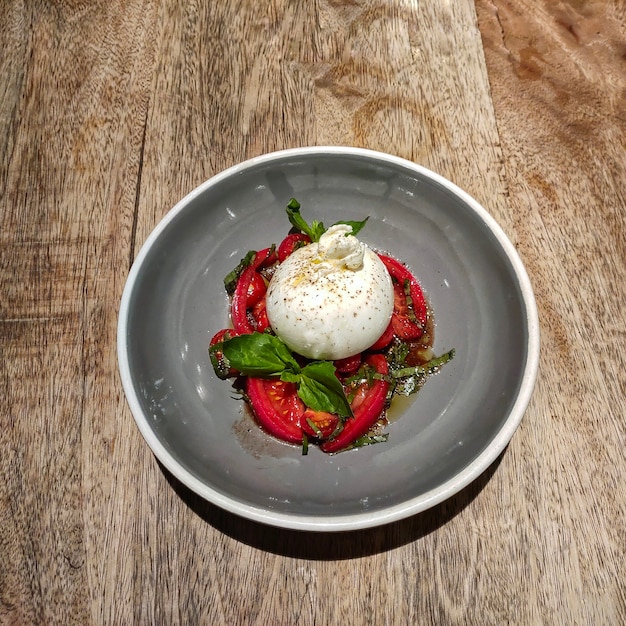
(439, 441)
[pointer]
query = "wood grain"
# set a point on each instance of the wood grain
(111, 111)
(559, 90)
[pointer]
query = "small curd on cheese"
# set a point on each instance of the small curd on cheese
(331, 299)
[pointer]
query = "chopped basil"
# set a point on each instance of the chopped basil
(230, 282)
(409, 301)
(430, 367)
(368, 440)
(314, 427)
(407, 380)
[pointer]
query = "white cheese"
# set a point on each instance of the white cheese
(332, 299)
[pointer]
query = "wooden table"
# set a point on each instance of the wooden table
(112, 110)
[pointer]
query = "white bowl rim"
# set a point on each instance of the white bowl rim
(366, 519)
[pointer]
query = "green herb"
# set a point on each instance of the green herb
(430, 367)
(265, 356)
(368, 440)
(316, 229)
(230, 282)
(259, 354)
(221, 367)
(409, 301)
(365, 373)
(356, 226)
(337, 430)
(314, 427)
(397, 354)
(305, 444)
(407, 380)
(321, 390)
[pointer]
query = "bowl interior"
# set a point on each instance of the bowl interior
(176, 301)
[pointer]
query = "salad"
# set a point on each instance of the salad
(325, 332)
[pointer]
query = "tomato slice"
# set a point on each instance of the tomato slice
(403, 326)
(385, 339)
(239, 304)
(279, 410)
(400, 273)
(290, 243)
(277, 407)
(259, 313)
(367, 407)
(318, 424)
(348, 365)
(256, 289)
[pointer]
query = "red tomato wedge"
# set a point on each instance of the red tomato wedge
(279, 410)
(290, 243)
(256, 289)
(319, 424)
(259, 313)
(348, 365)
(385, 339)
(401, 274)
(277, 407)
(367, 407)
(403, 326)
(239, 304)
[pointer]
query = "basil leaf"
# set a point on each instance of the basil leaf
(259, 354)
(264, 355)
(319, 397)
(231, 279)
(289, 376)
(314, 231)
(321, 390)
(356, 226)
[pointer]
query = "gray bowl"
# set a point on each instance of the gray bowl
(439, 441)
